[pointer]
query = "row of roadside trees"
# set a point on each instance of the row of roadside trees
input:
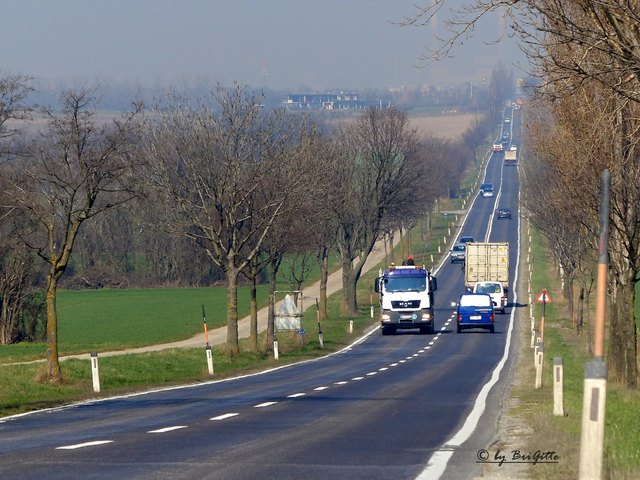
(583, 118)
(220, 181)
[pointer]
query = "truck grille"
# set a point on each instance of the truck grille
(413, 304)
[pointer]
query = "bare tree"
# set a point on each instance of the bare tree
(379, 172)
(75, 170)
(226, 171)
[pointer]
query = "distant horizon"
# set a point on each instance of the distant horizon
(276, 45)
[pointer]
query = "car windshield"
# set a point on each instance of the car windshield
(405, 284)
(458, 248)
(475, 301)
(489, 288)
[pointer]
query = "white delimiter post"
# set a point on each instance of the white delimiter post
(209, 359)
(95, 374)
(558, 381)
(592, 437)
(539, 364)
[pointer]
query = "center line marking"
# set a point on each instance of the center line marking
(265, 404)
(167, 429)
(82, 445)
(317, 389)
(296, 395)
(224, 416)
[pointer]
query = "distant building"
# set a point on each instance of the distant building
(331, 101)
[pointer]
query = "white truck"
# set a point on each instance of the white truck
(406, 298)
(510, 158)
(486, 270)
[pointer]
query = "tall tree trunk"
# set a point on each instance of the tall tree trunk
(350, 276)
(273, 274)
(622, 352)
(233, 346)
(324, 278)
(53, 372)
(253, 305)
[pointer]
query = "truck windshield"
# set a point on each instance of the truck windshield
(405, 284)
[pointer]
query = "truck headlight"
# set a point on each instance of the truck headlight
(426, 316)
(385, 317)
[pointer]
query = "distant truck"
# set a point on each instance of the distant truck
(487, 271)
(486, 262)
(406, 298)
(510, 158)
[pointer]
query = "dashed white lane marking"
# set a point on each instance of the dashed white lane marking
(167, 429)
(265, 404)
(382, 369)
(395, 364)
(357, 378)
(371, 373)
(83, 445)
(444, 328)
(415, 355)
(317, 389)
(341, 383)
(436, 337)
(296, 395)
(431, 343)
(225, 416)
(402, 361)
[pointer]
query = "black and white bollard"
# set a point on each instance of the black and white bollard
(558, 380)
(209, 359)
(95, 373)
(593, 407)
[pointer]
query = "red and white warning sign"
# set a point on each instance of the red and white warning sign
(543, 297)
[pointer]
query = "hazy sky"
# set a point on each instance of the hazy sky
(322, 44)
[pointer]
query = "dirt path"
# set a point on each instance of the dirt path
(218, 336)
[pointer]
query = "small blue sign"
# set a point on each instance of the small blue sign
(302, 332)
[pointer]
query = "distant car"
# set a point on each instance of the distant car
(507, 120)
(498, 147)
(465, 239)
(503, 213)
(486, 190)
(513, 148)
(458, 253)
(496, 291)
(475, 310)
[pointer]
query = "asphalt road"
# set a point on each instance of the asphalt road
(402, 406)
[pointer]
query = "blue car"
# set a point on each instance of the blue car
(475, 310)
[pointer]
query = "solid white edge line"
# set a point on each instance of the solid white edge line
(83, 445)
(437, 464)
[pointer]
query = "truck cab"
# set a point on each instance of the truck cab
(406, 298)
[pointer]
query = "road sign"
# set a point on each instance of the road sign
(543, 297)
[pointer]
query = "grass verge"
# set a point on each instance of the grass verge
(534, 407)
